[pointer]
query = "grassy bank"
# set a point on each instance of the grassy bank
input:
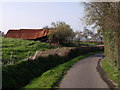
(50, 78)
(112, 72)
(22, 73)
(14, 50)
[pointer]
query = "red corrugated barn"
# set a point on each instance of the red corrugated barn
(29, 34)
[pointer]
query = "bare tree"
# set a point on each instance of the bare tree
(87, 34)
(46, 27)
(2, 33)
(78, 36)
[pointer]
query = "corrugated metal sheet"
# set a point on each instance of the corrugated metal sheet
(27, 33)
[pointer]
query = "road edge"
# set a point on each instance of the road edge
(103, 75)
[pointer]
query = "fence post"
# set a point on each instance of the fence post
(28, 55)
(11, 57)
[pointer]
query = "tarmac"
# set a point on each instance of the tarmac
(84, 74)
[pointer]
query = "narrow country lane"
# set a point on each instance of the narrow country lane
(84, 74)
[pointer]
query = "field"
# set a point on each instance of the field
(14, 50)
(88, 43)
(28, 73)
(82, 43)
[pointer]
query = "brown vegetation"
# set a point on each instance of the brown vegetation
(66, 51)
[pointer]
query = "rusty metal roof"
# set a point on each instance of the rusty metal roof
(27, 33)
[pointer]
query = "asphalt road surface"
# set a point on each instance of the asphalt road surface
(84, 74)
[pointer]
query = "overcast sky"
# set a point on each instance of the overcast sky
(39, 14)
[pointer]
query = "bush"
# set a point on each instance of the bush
(61, 34)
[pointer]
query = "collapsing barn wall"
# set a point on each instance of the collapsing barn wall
(28, 34)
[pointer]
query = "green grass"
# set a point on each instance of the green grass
(50, 78)
(76, 44)
(112, 72)
(19, 49)
(87, 43)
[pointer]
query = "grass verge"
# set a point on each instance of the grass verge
(50, 78)
(112, 72)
